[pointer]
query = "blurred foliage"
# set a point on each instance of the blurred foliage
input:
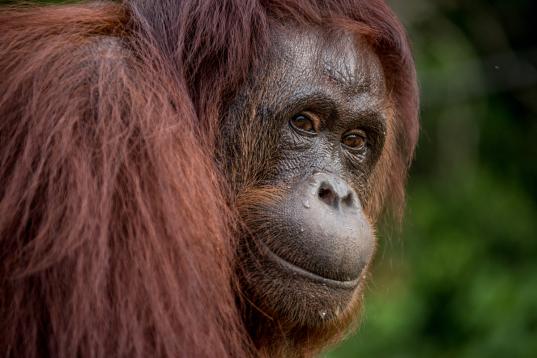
(462, 279)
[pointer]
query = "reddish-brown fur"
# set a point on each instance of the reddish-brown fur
(115, 237)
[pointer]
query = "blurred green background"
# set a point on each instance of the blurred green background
(461, 279)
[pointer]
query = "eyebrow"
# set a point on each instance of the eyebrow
(319, 100)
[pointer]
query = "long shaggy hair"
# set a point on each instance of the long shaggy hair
(115, 236)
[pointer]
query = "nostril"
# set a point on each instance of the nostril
(328, 195)
(348, 200)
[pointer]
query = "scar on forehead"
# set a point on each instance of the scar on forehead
(349, 63)
(342, 60)
(350, 80)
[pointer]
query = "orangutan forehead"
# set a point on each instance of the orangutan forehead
(340, 58)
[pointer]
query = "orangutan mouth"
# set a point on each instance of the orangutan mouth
(308, 275)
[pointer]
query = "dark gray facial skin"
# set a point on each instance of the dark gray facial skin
(300, 189)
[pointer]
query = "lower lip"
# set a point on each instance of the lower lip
(308, 274)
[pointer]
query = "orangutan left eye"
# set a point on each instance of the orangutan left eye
(355, 139)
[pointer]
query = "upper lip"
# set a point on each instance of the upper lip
(350, 284)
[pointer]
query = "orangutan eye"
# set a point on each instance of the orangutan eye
(305, 123)
(355, 139)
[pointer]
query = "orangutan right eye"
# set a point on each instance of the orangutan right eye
(304, 123)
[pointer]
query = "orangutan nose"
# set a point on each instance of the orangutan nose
(334, 192)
